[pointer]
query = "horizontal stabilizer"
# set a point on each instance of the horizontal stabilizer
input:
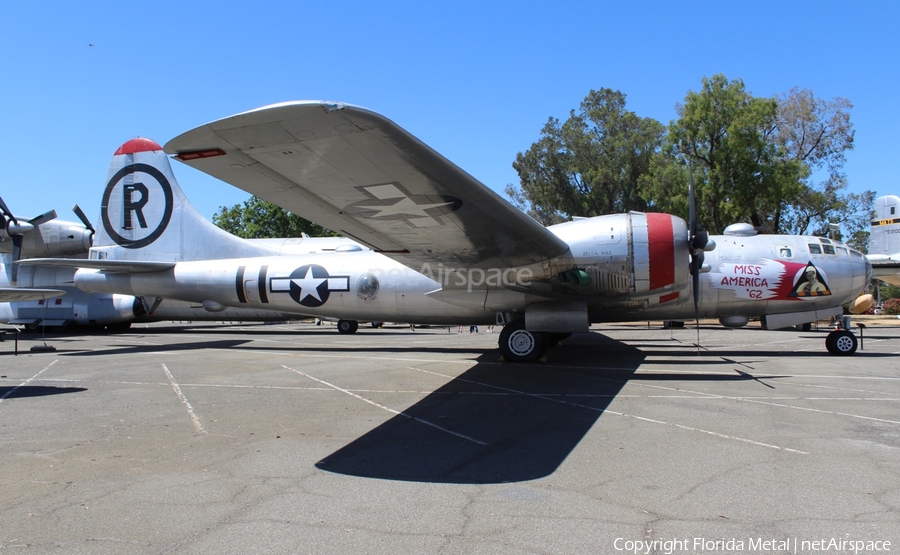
(110, 266)
(886, 268)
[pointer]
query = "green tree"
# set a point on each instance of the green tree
(740, 173)
(888, 290)
(774, 162)
(589, 165)
(818, 134)
(756, 160)
(258, 218)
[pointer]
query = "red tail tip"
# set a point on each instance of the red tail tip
(138, 145)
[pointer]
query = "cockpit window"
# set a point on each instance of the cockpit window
(829, 249)
(825, 241)
(785, 252)
(815, 249)
(856, 254)
(842, 251)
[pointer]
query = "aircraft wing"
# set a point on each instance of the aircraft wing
(14, 294)
(360, 174)
(886, 268)
(110, 266)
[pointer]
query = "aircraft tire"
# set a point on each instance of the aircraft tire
(520, 345)
(557, 337)
(347, 326)
(841, 343)
(119, 327)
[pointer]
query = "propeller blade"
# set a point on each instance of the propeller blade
(43, 218)
(16, 255)
(692, 204)
(6, 211)
(84, 219)
(696, 254)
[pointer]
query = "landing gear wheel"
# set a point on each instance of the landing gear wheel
(557, 337)
(347, 326)
(119, 327)
(520, 345)
(841, 343)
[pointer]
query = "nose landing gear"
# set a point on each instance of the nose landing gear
(841, 342)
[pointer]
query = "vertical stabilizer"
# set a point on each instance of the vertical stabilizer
(884, 237)
(144, 215)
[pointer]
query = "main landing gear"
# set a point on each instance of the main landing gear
(520, 345)
(347, 326)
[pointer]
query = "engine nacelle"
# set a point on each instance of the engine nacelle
(625, 254)
(98, 309)
(51, 239)
(62, 239)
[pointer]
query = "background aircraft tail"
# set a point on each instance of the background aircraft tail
(884, 237)
(145, 216)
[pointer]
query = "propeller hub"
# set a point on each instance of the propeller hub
(19, 228)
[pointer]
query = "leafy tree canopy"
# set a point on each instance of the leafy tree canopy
(773, 162)
(590, 164)
(258, 218)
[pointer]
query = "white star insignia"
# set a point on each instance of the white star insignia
(405, 206)
(309, 285)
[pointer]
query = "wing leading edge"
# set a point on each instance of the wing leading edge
(358, 173)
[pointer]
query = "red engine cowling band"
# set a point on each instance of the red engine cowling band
(661, 253)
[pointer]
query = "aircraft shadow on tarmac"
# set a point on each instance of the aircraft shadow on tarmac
(36, 391)
(144, 348)
(499, 423)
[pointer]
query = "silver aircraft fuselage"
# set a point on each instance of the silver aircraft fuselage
(744, 276)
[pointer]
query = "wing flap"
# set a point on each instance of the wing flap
(15, 294)
(358, 173)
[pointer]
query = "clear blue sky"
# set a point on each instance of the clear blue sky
(474, 80)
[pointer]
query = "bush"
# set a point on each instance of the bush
(891, 306)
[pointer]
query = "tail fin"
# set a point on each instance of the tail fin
(145, 216)
(884, 238)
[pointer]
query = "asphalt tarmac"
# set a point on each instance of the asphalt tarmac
(292, 438)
